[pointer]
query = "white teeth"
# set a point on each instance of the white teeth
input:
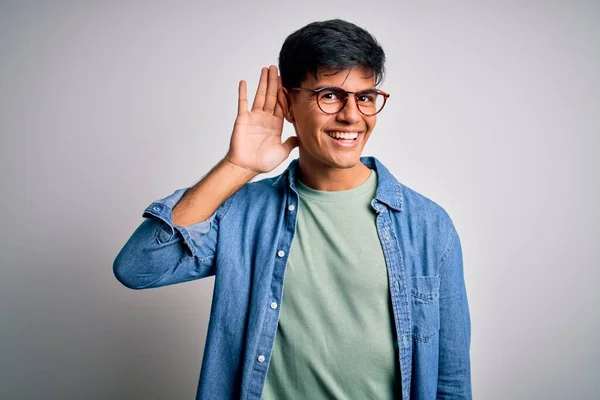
(343, 135)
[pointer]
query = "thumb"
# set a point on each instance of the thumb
(290, 143)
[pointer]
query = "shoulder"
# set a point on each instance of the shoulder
(428, 218)
(420, 206)
(411, 204)
(262, 194)
(261, 190)
(419, 214)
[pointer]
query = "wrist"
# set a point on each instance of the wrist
(244, 172)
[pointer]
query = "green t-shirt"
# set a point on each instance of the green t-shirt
(335, 338)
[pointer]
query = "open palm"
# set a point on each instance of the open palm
(256, 139)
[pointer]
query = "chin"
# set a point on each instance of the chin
(329, 159)
(345, 162)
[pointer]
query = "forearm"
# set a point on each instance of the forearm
(203, 199)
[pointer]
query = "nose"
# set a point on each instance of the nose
(349, 114)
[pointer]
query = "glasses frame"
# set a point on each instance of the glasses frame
(345, 100)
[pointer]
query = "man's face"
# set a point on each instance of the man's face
(316, 130)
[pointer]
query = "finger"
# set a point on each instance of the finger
(261, 90)
(273, 83)
(290, 143)
(242, 98)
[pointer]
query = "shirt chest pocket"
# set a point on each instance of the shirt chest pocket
(425, 306)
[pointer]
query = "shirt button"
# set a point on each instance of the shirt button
(156, 208)
(261, 358)
(291, 207)
(281, 253)
(273, 305)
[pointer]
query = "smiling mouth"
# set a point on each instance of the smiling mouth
(344, 136)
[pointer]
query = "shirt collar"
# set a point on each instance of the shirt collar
(389, 190)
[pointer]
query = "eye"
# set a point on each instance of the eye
(367, 97)
(330, 95)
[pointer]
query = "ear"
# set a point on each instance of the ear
(283, 97)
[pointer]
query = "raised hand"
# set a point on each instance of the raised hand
(256, 139)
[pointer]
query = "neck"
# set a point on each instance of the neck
(327, 178)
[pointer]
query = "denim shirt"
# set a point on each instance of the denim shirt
(245, 245)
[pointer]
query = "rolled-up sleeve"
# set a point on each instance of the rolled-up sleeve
(454, 376)
(159, 253)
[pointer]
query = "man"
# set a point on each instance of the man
(374, 304)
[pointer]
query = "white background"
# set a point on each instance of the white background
(107, 106)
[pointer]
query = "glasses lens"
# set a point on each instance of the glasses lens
(331, 100)
(370, 102)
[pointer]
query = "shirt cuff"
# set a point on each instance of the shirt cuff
(163, 210)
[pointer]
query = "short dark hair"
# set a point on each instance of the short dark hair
(335, 44)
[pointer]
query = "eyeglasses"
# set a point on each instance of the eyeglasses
(332, 100)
